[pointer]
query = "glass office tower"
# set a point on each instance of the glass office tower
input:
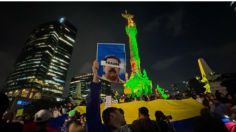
(40, 70)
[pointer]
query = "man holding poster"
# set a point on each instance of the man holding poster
(111, 58)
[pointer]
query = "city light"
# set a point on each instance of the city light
(62, 19)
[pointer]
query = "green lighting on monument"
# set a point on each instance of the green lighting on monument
(138, 83)
(162, 92)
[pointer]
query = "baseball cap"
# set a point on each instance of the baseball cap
(42, 115)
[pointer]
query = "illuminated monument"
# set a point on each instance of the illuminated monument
(209, 78)
(206, 74)
(138, 84)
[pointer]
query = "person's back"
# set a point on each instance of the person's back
(163, 122)
(144, 125)
(208, 123)
(164, 127)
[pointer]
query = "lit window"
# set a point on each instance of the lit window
(55, 72)
(58, 80)
(51, 74)
(72, 40)
(66, 42)
(61, 60)
(67, 29)
(48, 53)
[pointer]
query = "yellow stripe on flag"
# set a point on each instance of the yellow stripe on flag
(178, 109)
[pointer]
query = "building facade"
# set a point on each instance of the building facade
(41, 68)
(79, 86)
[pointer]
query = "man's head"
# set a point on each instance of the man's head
(143, 113)
(160, 115)
(111, 73)
(113, 117)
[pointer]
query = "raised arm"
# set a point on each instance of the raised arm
(93, 103)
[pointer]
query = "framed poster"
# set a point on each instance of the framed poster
(112, 62)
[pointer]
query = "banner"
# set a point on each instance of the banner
(112, 62)
(19, 112)
(178, 109)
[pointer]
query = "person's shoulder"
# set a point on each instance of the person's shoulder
(136, 124)
(135, 121)
(140, 121)
(153, 122)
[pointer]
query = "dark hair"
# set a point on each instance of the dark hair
(121, 111)
(112, 57)
(4, 103)
(106, 114)
(159, 115)
(143, 111)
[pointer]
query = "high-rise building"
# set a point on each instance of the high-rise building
(41, 69)
(79, 86)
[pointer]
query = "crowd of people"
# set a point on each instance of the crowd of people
(65, 118)
(219, 103)
(218, 107)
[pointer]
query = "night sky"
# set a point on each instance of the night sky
(171, 36)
